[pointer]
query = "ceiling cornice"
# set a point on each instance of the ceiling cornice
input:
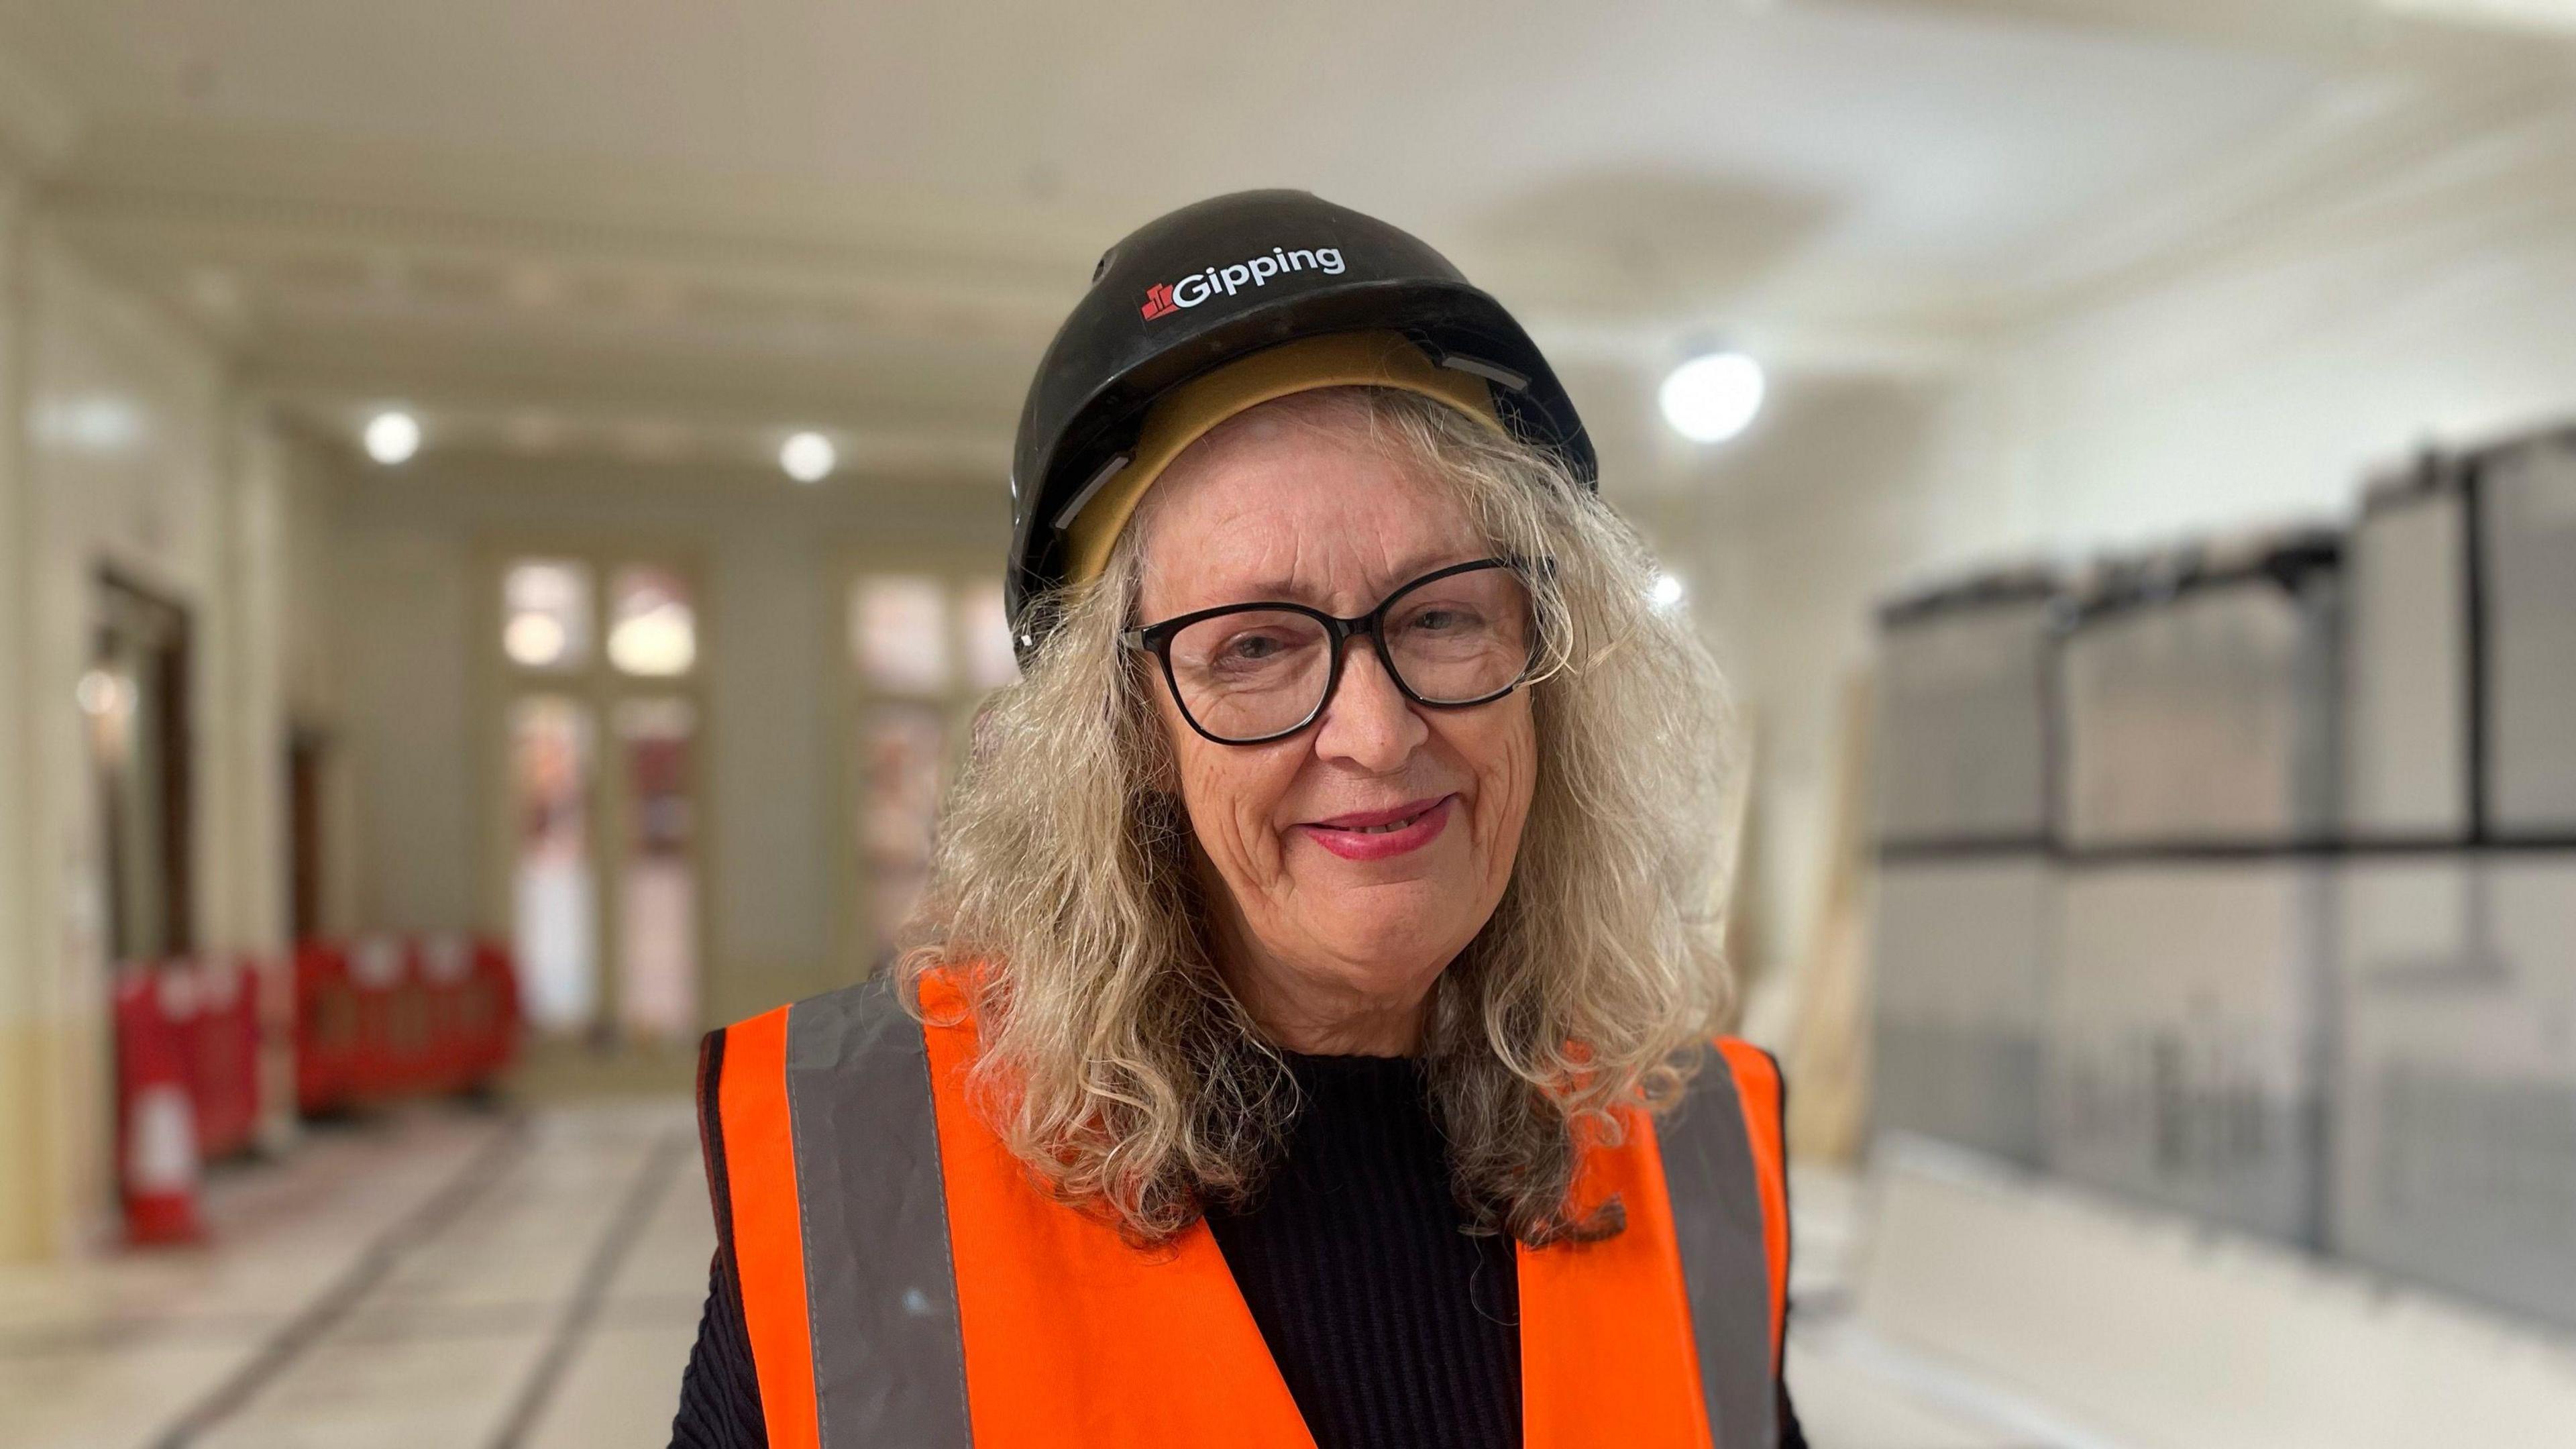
(2344, 33)
(2390, 157)
(210, 175)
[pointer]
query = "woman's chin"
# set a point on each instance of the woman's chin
(1391, 945)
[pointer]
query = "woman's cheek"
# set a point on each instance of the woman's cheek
(1504, 760)
(1507, 790)
(1230, 811)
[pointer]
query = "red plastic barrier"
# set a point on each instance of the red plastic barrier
(156, 1117)
(492, 1011)
(391, 1028)
(446, 967)
(326, 1027)
(391, 1016)
(223, 1049)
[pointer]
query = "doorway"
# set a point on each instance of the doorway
(600, 746)
(134, 698)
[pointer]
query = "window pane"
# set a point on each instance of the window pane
(657, 969)
(990, 664)
(653, 629)
(899, 633)
(901, 748)
(551, 739)
(546, 614)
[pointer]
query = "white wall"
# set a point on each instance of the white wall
(28, 1033)
(2256, 386)
(2264, 392)
(124, 448)
(400, 613)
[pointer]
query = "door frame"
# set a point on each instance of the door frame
(599, 687)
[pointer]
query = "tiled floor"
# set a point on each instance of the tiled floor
(445, 1279)
(439, 1278)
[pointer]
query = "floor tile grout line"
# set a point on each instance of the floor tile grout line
(607, 1254)
(334, 1303)
(134, 1332)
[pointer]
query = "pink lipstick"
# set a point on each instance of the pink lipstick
(1382, 834)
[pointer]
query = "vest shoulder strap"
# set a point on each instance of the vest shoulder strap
(1763, 1094)
(820, 1134)
(1725, 1177)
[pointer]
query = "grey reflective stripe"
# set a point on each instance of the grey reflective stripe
(880, 1288)
(1717, 1219)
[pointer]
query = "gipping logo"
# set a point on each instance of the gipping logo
(1164, 298)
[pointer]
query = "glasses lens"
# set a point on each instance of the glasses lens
(1251, 674)
(1461, 638)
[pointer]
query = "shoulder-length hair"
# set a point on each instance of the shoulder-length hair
(1063, 903)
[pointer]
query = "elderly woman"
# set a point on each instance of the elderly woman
(1307, 1036)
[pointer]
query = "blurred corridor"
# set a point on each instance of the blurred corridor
(445, 1279)
(502, 524)
(434, 1279)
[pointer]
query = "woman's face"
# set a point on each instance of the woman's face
(1291, 502)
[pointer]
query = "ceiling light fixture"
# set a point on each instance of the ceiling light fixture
(808, 457)
(1713, 397)
(392, 436)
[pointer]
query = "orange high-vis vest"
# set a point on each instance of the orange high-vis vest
(905, 1283)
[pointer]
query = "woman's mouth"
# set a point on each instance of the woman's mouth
(1381, 834)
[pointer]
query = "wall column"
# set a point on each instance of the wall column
(30, 1156)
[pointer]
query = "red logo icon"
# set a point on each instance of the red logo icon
(1158, 301)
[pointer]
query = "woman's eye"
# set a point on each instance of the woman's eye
(1246, 650)
(1442, 619)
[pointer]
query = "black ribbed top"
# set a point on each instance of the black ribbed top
(720, 1389)
(1392, 1326)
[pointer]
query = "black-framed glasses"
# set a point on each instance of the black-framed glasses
(1247, 674)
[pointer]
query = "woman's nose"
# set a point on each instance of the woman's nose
(1368, 721)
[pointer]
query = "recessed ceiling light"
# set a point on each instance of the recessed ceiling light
(1667, 592)
(808, 457)
(392, 436)
(1712, 398)
(91, 423)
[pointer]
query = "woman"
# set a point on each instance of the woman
(1306, 1039)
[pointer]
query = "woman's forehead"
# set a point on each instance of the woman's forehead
(1290, 510)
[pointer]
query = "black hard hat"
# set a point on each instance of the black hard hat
(1217, 281)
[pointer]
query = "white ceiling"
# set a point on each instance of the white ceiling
(557, 223)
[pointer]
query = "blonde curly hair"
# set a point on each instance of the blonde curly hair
(1063, 904)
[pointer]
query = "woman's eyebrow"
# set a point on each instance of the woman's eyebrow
(1286, 589)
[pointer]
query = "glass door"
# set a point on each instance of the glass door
(602, 747)
(926, 649)
(554, 873)
(657, 868)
